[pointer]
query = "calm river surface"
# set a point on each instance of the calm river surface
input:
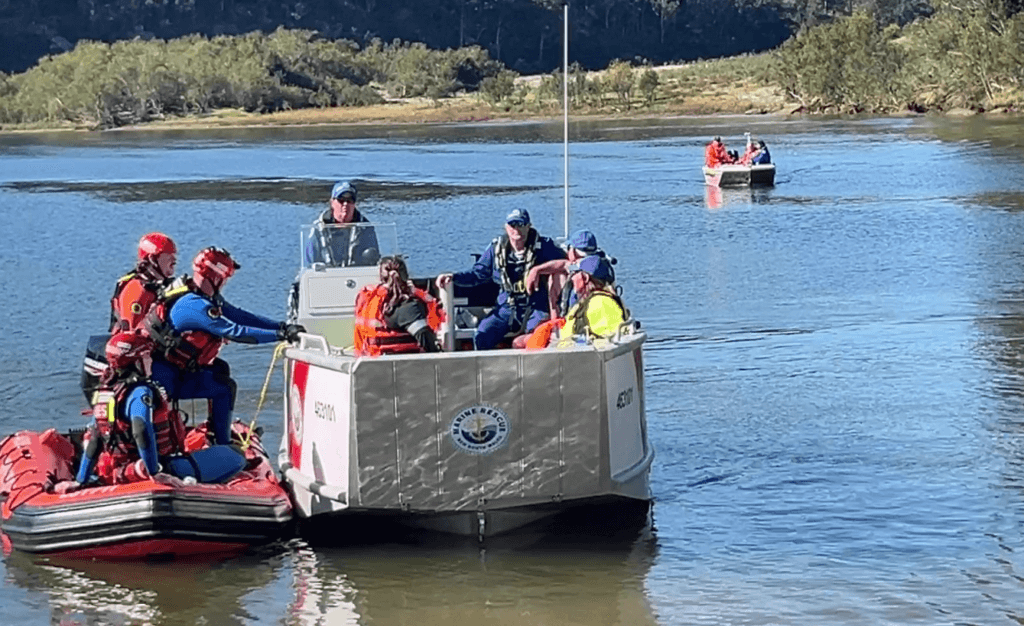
(835, 371)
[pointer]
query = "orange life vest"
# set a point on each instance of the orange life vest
(119, 445)
(373, 337)
(187, 350)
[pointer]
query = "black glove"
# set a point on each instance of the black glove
(290, 332)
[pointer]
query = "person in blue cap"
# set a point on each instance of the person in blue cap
(507, 261)
(580, 245)
(341, 235)
(599, 311)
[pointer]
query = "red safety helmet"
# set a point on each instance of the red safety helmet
(125, 348)
(155, 244)
(215, 265)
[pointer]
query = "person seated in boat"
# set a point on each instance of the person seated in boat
(598, 313)
(756, 154)
(507, 261)
(137, 290)
(580, 245)
(762, 157)
(715, 154)
(395, 316)
(339, 236)
(191, 323)
(136, 433)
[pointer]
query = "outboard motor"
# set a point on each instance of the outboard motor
(93, 364)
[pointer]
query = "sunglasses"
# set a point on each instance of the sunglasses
(517, 223)
(344, 199)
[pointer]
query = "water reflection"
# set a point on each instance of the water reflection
(88, 593)
(717, 197)
(537, 580)
(574, 582)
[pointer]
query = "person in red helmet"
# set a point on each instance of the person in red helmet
(137, 433)
(137, 290)
(189, 325)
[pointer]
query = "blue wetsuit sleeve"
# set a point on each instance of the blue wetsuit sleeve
(138, 408)
(482, 272)
(248, 318)
(193, 312)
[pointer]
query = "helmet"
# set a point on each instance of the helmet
(125, 348)
(215, 265)
(155, 244)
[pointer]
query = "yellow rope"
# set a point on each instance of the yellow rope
(278, 351)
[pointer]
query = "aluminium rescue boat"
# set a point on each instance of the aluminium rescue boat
(138, 520)
(463, 442)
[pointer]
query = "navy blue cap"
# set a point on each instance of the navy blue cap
(583, 241)
(597, 266)
(518, 215)
(342, 188)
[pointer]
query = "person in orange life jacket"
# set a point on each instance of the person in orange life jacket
(337, 247)
(398, 306)
(715, 154)
(131, 409)
(507, 261)
(137, 290)
(193, 323)
(756, 154)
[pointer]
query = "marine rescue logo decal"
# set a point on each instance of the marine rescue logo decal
(480, 429)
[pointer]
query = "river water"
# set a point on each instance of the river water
(835, 366)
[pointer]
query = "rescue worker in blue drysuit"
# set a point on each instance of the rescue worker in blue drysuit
(507, 261)
(134, 417)
(191, 324)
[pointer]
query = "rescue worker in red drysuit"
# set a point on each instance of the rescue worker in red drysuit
(395, 316)
(136, 434)
(191, 323)
(715, 154)
(136, 291)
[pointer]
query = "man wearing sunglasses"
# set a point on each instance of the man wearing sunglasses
(341, 235)
(507, 261)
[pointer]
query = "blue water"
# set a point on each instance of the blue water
(833, 374)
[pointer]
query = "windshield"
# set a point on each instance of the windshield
(357, 244)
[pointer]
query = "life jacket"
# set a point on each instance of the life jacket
(325, 236)
(502, 250)
(541, 336)
(187, 350)
(579, 314)
(119, 448)
(373, 337)
(151, 286)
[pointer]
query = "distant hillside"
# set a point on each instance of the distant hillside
(524, 34)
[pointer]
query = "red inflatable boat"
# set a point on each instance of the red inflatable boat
(140, 520)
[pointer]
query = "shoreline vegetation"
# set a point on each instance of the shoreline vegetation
(966, 58)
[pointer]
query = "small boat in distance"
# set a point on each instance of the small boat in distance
(734, 175)
(733, 171)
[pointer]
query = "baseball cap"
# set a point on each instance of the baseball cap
(518, 215)
(597, 266)
(583, 241)
(342, 188)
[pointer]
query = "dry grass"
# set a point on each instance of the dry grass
(723, 86)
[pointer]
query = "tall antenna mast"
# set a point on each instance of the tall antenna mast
(565, 109)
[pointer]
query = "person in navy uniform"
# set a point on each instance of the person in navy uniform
(337, 245)
(192, 324)
(507, 261)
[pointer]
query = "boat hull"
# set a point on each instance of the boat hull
(138, 520)
(474, 444)
(740, 175)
